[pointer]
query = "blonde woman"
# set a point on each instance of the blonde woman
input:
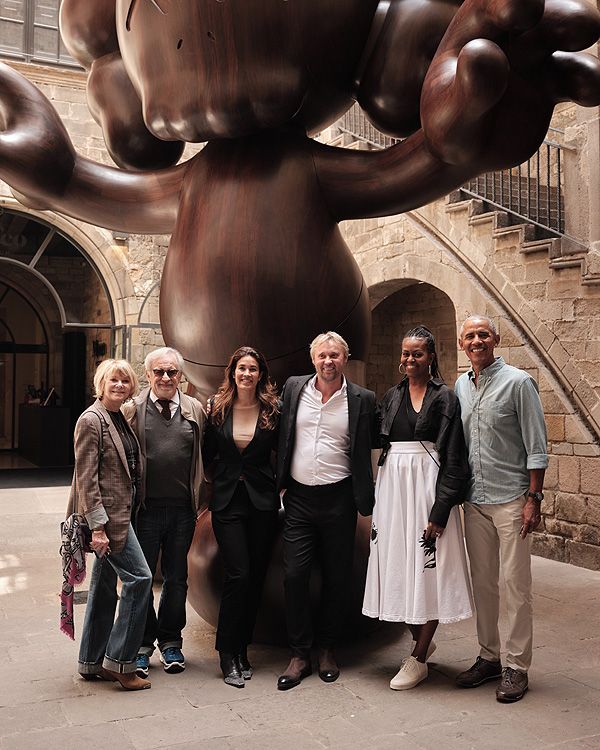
(103, 490)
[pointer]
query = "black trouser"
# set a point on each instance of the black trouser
(320, 523)
(168, 530)
(245, 536)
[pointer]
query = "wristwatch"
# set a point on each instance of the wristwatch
(537, 496)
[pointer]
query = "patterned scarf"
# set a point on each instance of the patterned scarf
(74, 544)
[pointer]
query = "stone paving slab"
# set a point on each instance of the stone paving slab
(45, 705)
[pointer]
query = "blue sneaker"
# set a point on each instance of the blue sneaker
(172, 659)
(142, 664)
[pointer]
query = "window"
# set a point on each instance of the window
(29, 31)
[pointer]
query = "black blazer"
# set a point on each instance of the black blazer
(253, 463)
(363, 436)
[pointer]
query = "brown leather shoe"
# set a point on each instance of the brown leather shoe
(296, 671)
(513, 687)
(482, 671)
(328, 668)
(128, 681)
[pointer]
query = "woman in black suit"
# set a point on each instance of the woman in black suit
(241, 432)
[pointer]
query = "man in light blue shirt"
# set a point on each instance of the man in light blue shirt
(504, 427)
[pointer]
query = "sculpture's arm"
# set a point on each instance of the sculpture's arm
(486, 104)
(38, 161)
(364, 184)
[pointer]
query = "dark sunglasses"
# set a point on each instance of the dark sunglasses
(159, 372)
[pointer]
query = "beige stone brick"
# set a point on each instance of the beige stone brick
(548, 503)
(571, 507)
(583, 555)
(555, 424)
(586, 395)
(574, 432)
(561, 528)
(553, 403)
(551, 547)
(544, 336)
(587, 308)
(520, 356)
(589, 449)
(587, 534)
(562, 449)
(551, 475)
(590, 475)
(558, 354)
(593, 509)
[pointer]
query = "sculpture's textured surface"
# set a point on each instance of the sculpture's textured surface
(256, 256)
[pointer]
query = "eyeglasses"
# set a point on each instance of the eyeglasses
(159, 372)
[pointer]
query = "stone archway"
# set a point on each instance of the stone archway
(48, 281)
(413, 303)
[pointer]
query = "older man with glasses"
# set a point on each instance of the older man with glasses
(169, 427)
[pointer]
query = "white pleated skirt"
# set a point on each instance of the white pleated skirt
(406, 582)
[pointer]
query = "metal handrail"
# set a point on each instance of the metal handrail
(531, 191)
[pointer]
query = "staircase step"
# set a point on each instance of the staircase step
(550, 245)
(527, 232)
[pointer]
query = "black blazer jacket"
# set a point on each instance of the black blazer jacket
(229, 464)
(363, 436)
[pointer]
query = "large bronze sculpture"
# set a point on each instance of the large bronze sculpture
(256, 256)
(253, 217)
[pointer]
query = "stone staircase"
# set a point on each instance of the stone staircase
(561, 250)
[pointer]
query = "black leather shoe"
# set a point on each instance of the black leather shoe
(245, 666)
(296, 671)
(328, 668)
(482, 671)
(232, 673)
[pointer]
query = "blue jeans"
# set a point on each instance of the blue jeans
(166, 530)
(106, 642)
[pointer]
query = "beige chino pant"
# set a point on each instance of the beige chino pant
(492, 533)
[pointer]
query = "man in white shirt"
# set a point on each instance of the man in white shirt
(327, 428)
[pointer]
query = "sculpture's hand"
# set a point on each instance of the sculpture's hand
(36, 154)
(489, 93)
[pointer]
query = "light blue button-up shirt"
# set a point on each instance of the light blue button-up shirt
(504, 428)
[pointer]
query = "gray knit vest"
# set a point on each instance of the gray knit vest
(169, 446)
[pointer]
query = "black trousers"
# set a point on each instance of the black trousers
(245, 536)
(320, 524)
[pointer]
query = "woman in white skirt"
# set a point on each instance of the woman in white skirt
(417, 570)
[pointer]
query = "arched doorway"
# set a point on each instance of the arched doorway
(56, 323)
(415, 302)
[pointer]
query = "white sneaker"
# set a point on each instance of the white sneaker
(411, 673)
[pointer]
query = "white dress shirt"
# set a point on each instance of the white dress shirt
(173, 403)
(322, 445)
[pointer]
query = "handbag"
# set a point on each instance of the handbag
(76, 523)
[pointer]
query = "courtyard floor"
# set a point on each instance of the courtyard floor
(44, 705)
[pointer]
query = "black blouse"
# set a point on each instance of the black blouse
(405, 421)
(129, 442)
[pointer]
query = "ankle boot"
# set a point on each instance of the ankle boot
(245, 666)
(230, 666)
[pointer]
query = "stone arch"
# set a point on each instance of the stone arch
(97, 246)
(74, 277)
(413, 302)
(412, 247)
